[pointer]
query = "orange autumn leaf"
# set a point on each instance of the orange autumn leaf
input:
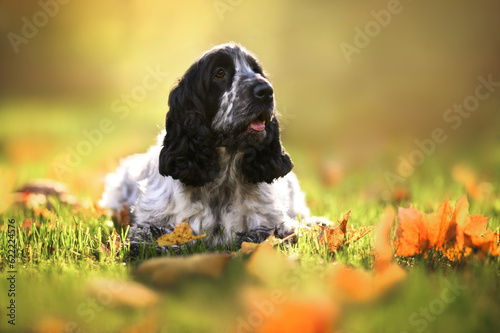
(182, 234)
(280, 311)
(456, 235)
(336, 237)
(353, 285)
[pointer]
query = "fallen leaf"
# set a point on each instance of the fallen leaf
(353, 285)
(182, 234)
(248, 248)
(115, 293)
(165, 271)
(337, 237)
(280, 311)
(457, 236)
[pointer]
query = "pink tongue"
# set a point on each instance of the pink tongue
(258, 125)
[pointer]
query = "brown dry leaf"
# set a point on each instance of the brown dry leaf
(115, 293)
(286, 313)
(337, 237)
(182, 234)
(165, 271)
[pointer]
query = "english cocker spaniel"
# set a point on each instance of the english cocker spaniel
(220, 164)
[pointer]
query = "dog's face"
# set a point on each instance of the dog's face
(246, 103)
(224, 99)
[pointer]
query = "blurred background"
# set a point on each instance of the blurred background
(357, 82)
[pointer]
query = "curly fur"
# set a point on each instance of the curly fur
(219, 165)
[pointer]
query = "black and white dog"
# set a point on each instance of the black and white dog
(220, 164)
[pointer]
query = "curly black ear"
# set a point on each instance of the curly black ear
(188, 152)
(267, 160)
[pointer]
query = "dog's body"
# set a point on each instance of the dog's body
(219, 165)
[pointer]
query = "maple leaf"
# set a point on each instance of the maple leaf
(336, 237)
(182, 234)
(353, 285)
(167, 270)
(456, 235)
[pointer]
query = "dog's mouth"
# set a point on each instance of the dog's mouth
(259, 123)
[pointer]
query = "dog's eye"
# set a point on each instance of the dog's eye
(220, 74)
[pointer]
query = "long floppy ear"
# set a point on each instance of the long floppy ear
(188, 152)
(266, 161)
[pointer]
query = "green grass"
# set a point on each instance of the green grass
(56, 260)
(55, 263)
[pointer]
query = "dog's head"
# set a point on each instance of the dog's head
(224, 99)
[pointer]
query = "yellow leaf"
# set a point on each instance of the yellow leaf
(181, 234)
(248, 248)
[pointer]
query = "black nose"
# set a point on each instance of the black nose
(263, 92)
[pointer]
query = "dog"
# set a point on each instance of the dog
(219, 164)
